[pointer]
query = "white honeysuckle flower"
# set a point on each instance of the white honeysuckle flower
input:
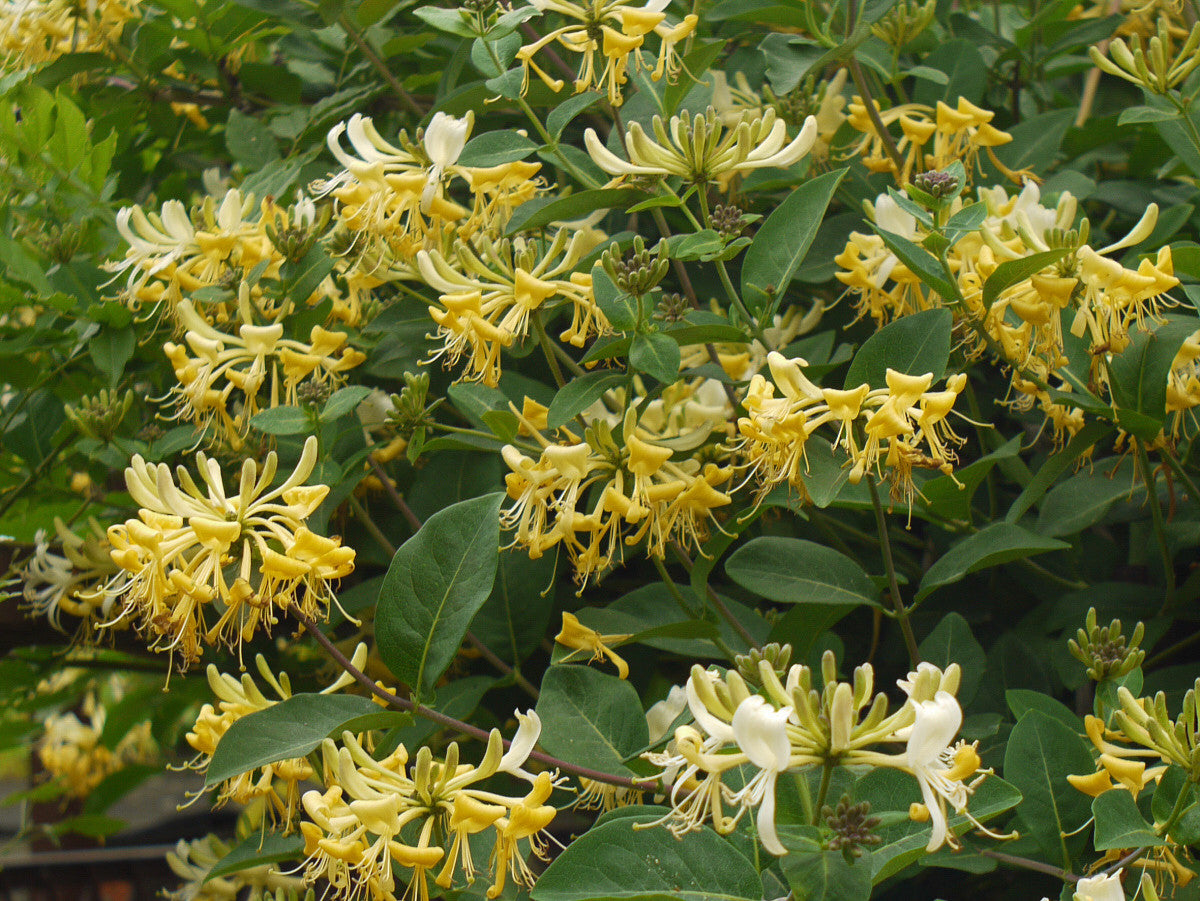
(931, 760)
(760, 731)
(529, 729)
(445, 139)
(1105, 887)
(660, 716)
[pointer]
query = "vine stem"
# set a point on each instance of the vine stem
(885, 546)
(686, 607)
(1156, 517)
(864, 91)
(1026, 864)
(398, 703)
(547, 348)
(714, 599)
(380, 66)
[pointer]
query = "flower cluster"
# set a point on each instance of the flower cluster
(789, 725)
(192, 553)
(901, 427)
(77, 582)
(1081, 305)
(33, 32)
(71, 750)
(607, 35)
(378, 817)
(277, 784)
(704, 149)
(598, 495)
(931, 139)
(489, 291)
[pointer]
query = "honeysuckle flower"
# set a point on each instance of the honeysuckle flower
(575, 634)
(760, 731)
(444, 141)
(607, 34)
(191, 552)
(193, 860)
(489, 291)
(701, 150)
(33, 32)
(1103, 887)
(70, 749)
(75, 582)
(353, 829)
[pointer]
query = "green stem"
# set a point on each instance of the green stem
(1185, 795)
(822, 791)
(714, 598)
(885, 546)
(1027, 864)
(35, 474)
(380, 66)
(1156, 517)
(547, 348)
(684, 606)
(398, 703)
(1180, 473)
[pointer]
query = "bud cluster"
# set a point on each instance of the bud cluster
(1105, 651)
(640, 272)
(98, 417)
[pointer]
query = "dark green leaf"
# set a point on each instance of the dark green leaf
(1119, 823)
(290, 729)
(436, 583)
(998, 543)
(952, 642)
(494, 148)
(920, 262)
(912, 345)
(1139, 374)
(580, 393)
(793, 571)
(111, 350)
(613, 861)
(573, 206)
(256, 850)
(282, 421)
(343, 401)
(783, 240)
(249, 140)
(655, 354)
(591, 718)
(1041, 753)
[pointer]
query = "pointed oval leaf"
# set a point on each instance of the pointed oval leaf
(793, 571)
(289, 729)
(437, 582)
(913, 345)
(1001, 542)
(613, 860)
(591, 718)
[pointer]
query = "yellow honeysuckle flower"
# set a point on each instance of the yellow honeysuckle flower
(575, 634)
(35, 33)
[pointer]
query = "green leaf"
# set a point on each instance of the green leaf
(817, 874)
(613, 861)
(257, 850)
(452, 21)
(1187, 828)
(1022, 700)
(793, 571)
(111, 350)
(1139, 374)
(1011, 272)
(580, 393)
(1041, 753)
(952, 642)
(1119, 823)
(561, 115)
(1139, 115)
(437, 581)
(998, 543)
(784, 239)
(306, 276)
(920, 262)
(495, 148)
(891, 792)
(789, 59)
(692, 72)
(290, 729)
(573, 206)
(656, 354)
(282, 421)
(514, 618)
(912, 345)
(1056, 464)
(249, 140)
(1083, 500)
(343, 401)
(591, 718)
